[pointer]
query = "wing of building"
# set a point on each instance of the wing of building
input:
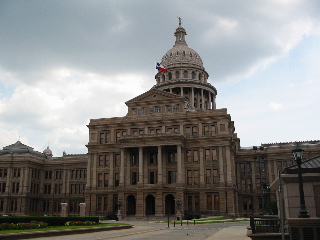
(173, 153)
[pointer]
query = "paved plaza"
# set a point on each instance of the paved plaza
(143, 230)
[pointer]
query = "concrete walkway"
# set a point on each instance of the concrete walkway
(234, 233)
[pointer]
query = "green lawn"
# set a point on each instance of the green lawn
(62, 228)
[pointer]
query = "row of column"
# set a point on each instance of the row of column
(159, 168)
(210, 100)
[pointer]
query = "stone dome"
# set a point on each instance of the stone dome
(47, 152)
(181, 54)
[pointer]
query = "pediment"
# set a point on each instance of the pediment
(154, 95)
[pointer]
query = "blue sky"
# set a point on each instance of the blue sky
(63, 63)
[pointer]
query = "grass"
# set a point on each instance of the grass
(51, 228)
(207, 221)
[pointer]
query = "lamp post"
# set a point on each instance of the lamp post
(260, 157)
(297, 154)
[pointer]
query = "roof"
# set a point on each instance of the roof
(20, 148)
(308, 166)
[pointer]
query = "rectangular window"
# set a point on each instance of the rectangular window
(2, 187)
(208, 176)
(171, 177)
(16, 172)
(47, 189)
(105, 137)
(151, 110)
(45, 206)
(195, 156)
(208, 155)
(117, 160)
(189, 177)
(99, 204)
(48, 175)
(209, 202)
(58, 175)
(105, 204)
(248, 167)
(134, 177)
(100, 178)
(196, 177)
(116, 179)
(153, 158)
(134, 158)
(188, 153)
(152, 177)
(242, 168)
(215, 176)
(197, 203)
(15, 187)
(190, 203)
(106, 180)
(195, 131)
(171, 157)
(206, 131)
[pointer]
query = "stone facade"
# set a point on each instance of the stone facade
(34, 183)
(173, 154)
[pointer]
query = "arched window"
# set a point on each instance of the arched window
(185, 74)
(170, 76)
(177, 75)
(163, 78)
(200, 76)
(193, 75)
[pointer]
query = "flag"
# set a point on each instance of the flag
(161, 68)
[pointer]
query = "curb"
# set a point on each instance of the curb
(26, 235)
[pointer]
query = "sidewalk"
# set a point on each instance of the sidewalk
(234, 233)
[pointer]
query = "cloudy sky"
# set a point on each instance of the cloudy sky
(63, 63)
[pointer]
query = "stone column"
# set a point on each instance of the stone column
(64, 209)
(122, 167)
(111, 174)
(179, 164)
(221, 170)
(82, 209)
(181, 91)
(229, 166)
(192, 97)
(141, 166)
(202, 171)
(209, 102)
(159, 165)
(202, 99)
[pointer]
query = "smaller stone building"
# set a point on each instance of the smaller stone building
(35, 183)
(311, 185)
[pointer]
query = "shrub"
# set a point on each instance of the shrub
(80, 223)
(20, 226)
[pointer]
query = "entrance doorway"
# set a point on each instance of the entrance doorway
(150, 205)
(131, 205)
(170, 205)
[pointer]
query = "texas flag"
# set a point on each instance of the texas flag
(161, 68)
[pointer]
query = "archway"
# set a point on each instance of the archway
(170, 205)
(150, 205)
(131, 205)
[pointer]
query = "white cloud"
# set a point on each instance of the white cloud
(275, 106)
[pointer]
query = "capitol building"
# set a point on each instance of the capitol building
(172, 154)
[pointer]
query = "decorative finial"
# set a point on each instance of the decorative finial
(180, 21)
